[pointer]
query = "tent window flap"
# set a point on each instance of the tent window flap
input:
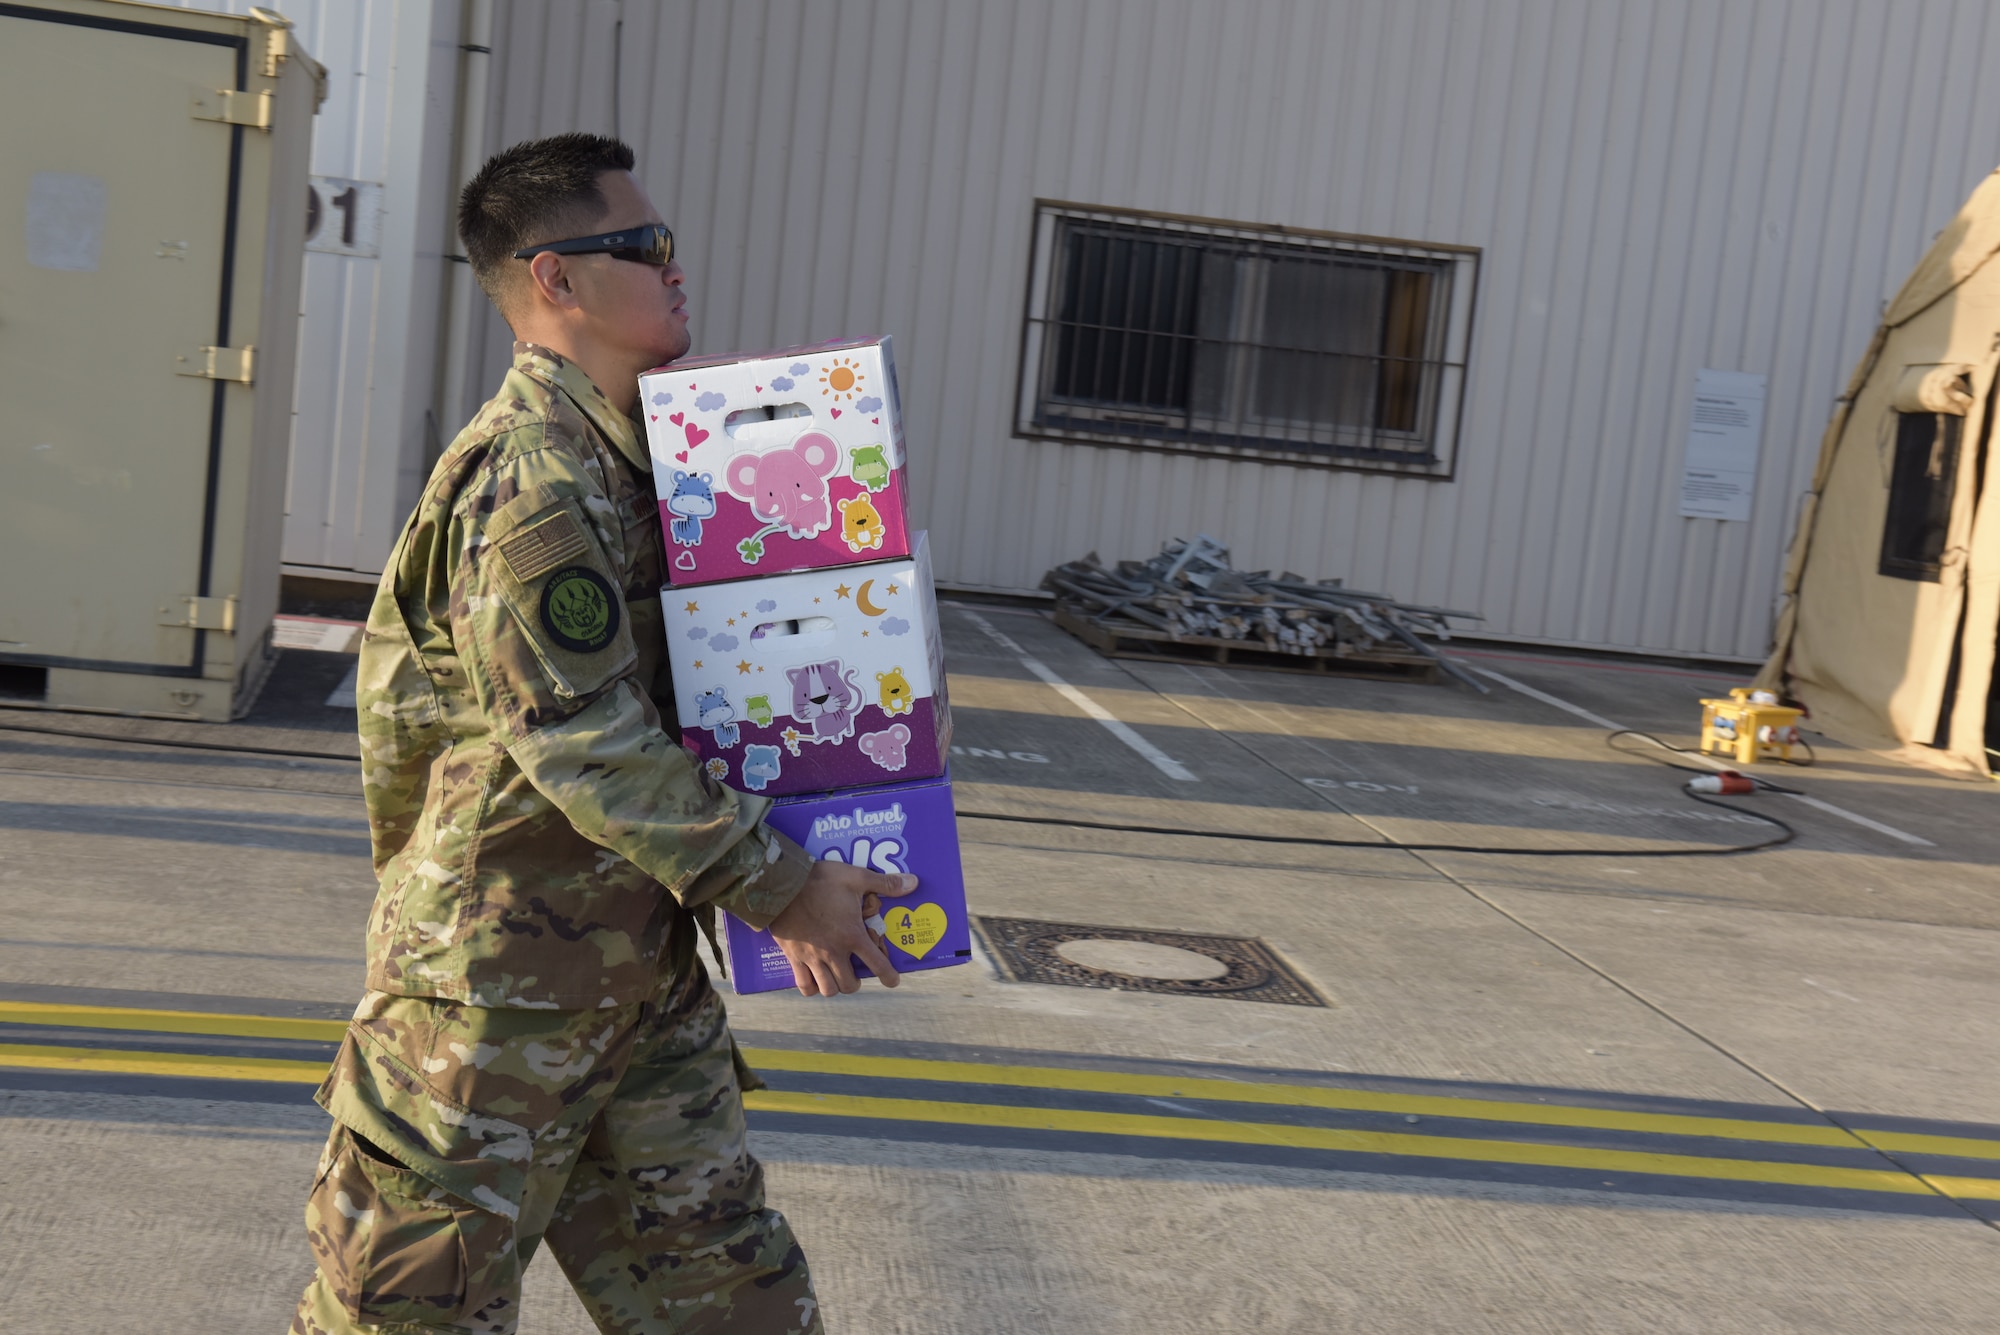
(1920, 487)
(1939, 387)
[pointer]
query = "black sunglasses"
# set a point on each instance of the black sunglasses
(651, 244)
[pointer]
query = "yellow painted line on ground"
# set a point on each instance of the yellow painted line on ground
(1349, 1100)
(139, 1019)
(1358, 1142)
(1910, 1142)
(1470, 1149)
(187, 1065)
(169, 1022)
(1965, 1188)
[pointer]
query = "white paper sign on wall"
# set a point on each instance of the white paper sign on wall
(344, 217)
(65, 221)
(1719, 474)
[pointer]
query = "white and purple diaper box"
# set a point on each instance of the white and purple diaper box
(812, 681)
(778, 461)
(891, 828)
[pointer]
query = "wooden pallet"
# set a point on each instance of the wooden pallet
(1129, 641)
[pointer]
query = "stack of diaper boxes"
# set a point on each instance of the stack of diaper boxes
(802, 627)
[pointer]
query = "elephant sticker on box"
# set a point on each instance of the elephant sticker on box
(779, 461)
(815, 680)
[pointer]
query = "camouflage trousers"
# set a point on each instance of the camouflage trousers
(466, 1136)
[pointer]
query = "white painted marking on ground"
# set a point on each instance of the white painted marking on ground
(1861, 820)
(1832, 991)
(992, 966)
(343, 694)
(319, 634)
(1006, 642)
(1548, 699)
(1721, 763)
(1154, 756)
(1362, 785)
(1712, 762)
(988, 753)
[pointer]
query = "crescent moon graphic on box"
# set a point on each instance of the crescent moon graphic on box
(861, 600)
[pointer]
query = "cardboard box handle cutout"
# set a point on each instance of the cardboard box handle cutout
(802, 627)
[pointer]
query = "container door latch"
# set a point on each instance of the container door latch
(205, 363)
(233, 106)
(201, 613)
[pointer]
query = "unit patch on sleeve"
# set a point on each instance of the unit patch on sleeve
(579, 609)
(543, 546)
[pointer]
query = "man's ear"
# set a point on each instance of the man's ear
(549, 277)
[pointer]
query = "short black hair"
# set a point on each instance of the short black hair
(537, 191)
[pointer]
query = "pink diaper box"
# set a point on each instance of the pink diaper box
(777, 461)
(812, 681)
(903, 827)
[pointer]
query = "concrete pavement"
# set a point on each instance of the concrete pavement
(1558, 1093)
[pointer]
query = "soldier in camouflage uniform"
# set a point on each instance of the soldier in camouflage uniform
(540, 1056)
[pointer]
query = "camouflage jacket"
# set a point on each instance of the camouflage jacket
(534, 824)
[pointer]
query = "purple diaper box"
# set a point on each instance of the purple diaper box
(902, 827)
(808, 682)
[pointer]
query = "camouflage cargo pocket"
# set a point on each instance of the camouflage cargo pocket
(394, 1246)
(445, 1185)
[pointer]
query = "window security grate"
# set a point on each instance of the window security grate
(1217, 338)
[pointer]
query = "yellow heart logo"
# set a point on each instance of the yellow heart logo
(915, 931)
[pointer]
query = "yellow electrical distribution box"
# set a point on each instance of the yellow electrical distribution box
(152, 234)
(1751, 723)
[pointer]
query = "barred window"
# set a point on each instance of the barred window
(1222, 338)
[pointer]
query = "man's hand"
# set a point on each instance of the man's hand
(826, 924)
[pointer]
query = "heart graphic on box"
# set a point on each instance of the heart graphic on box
(915, 931)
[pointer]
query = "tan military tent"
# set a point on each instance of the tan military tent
(1891, 594)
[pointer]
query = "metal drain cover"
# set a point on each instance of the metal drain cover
(1129, 959)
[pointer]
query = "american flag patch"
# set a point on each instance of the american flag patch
(540, 548)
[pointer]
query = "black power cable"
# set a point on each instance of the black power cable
(1765, 785)
(1785, 835)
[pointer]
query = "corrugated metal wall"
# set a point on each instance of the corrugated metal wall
(1657, 186)
(368, 324)
(555, 67)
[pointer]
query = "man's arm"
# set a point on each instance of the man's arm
(538, 617)
(600, 766)
(625, 784)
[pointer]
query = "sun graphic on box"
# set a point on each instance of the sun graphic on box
(843, 379)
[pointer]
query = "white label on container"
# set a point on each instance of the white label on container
(344, 217)
(1719, 475)
(65, 221)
